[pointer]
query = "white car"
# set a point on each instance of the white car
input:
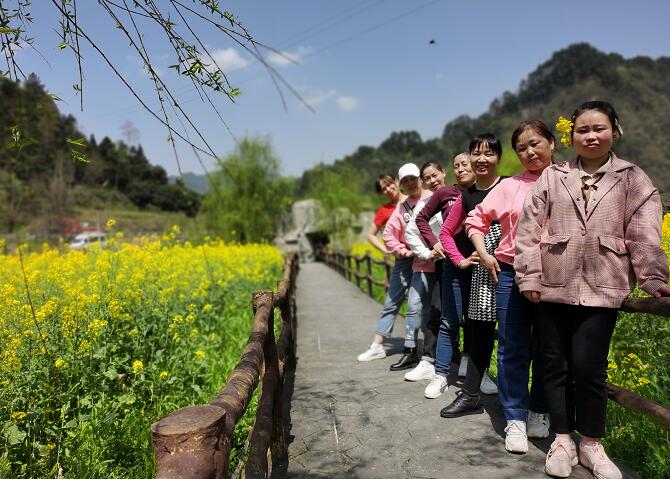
(84, 240)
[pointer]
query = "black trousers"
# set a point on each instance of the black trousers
(574, 343)
(481, 346)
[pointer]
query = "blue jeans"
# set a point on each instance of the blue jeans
(401, 276)
(455, 299)
(418, 306)
(515, 325)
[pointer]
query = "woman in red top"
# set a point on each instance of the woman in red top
(386, 185)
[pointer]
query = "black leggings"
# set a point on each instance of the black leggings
(574, 344)
(482, 335)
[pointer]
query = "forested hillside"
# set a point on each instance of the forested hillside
(639, 88)
(48, 168)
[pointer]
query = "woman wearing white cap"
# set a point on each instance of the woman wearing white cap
(400, 282)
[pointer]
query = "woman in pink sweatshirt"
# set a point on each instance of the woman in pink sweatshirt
(534, 144)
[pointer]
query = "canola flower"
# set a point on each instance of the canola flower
(137, 366)
(145, 307)
(81, 296)
(18, 415)
(360, 249)
(564, 127)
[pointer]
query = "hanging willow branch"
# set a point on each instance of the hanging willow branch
(179, 22)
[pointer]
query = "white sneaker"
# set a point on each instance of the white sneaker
(424, 370)
(487, 385)
(537, 424)
(561, 458)
(463, 367)
(515, 437)
(375, 351)
(436, 386)
(593, 457)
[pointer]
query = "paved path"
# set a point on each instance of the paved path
(359, 420)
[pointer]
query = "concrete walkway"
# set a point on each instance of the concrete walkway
(359, 420)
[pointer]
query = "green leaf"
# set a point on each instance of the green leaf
(71, 423)
(14, 435)
(78, 141)
(42, 449)
(128, 398)
(62, 45)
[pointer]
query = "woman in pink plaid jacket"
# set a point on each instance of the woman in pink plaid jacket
(590, 230)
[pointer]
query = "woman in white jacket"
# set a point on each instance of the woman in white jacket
(432, 176)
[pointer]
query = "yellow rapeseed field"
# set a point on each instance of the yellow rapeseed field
(106, 341)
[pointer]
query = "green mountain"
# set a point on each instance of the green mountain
(639, 89)
(192, 181)
(49, 169)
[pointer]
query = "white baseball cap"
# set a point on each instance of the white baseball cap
(408, 169)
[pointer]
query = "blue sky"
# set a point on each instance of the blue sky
(366, 66)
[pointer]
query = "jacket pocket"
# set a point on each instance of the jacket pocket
(553, 251)
(613, 268)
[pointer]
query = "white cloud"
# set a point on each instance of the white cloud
(319, 98)
(288, 58)
(227, 59)
(347, 103)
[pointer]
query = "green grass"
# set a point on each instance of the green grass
(640, 361)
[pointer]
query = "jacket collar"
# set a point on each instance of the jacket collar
(571, 182)
(617, 164)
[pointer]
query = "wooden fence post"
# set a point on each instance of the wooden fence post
(368, 260)
(358, 273)
(187, 443)
(387, 271)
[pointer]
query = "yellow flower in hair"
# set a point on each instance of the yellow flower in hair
(564, 127)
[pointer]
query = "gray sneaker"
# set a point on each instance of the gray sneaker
(487, 385)
(537, 424)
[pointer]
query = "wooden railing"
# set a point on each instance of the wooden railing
(195, 442)
(343, 263)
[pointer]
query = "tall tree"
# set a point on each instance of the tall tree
(247, 194)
